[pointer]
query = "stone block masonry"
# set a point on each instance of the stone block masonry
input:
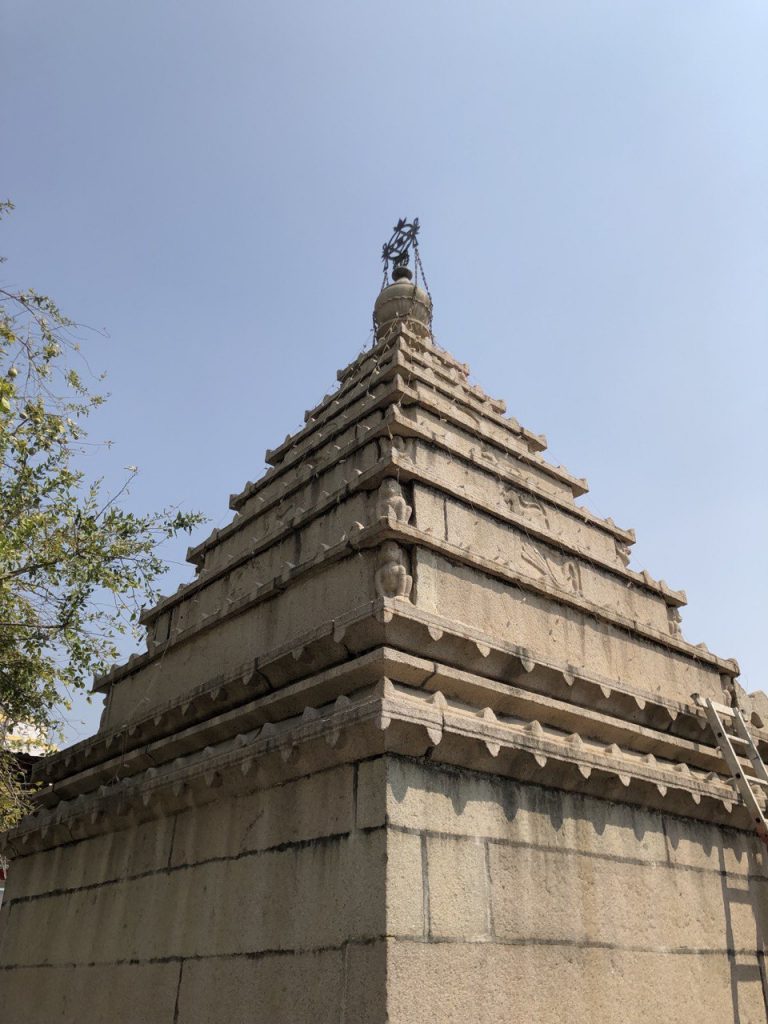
(270, 900)
(392, 890)
(416, 744)
(548, 906)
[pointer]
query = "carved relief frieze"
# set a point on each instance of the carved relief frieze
(488, 455)
(393, 578)
(563, 572)
(527, 506)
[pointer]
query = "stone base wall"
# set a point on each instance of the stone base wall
(259, 908)
(524, 903)
(391, 890)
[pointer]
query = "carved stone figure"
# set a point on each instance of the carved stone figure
(622, 552)
(489, 455)
(391, 502)
(392, 577)
(406, 446)
(523, 505)
(675, 618)
(729, 691)
(573, 575)
(563, 572)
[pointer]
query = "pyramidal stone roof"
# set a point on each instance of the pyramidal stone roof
(412, 575)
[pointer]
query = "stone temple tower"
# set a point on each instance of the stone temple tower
(416, 744)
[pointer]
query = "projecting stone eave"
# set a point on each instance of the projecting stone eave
(383, 623)
(488, 729)
(324, 449)
(405, 353)
(398, 425)
(441, 369)
(400, 398)
(372, 536)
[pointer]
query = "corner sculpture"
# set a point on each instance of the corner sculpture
(391, 502)
(415, 743)
(392, 577)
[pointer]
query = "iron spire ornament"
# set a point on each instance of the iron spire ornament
(397, 250)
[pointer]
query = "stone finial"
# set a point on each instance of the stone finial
(402, 300)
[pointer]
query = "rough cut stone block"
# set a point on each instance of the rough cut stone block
(119, 854)
(307, 808)
(745, 912)
(460, 803)
(365, 990)
(320, 894)
(429, 511)
(457, 883)
(696, 844)
(458, 983)
(309, 602)
(371, 793)
(558, 633)
(293, 988)
(545, 896)
(119, 994)
(405, 894)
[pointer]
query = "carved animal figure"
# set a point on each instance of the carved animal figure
(391, 502)
(675, 618)
(623, 552)
(730, 693)
(563, 572)
(522, 505)
(392, 577)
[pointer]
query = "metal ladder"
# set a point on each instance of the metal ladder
(728, 742)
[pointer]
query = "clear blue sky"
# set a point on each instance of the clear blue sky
(212, 184)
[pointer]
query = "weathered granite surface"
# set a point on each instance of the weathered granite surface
(417, 742)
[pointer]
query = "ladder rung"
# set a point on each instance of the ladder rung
(722, 709)
(726, 742)
(753, 779)
(737, 739)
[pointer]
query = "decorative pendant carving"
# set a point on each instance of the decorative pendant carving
(392, 578)
(391, 502)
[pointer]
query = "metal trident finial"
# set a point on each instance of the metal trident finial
(396, 251)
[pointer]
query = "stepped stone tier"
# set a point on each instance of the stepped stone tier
(416, 744)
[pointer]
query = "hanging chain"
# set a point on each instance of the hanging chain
(396, 251)
(420, 269)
